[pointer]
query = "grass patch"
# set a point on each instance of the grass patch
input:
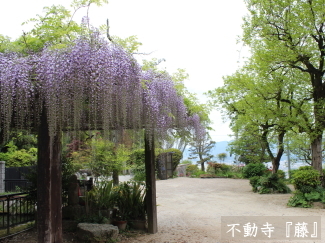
(17, 229)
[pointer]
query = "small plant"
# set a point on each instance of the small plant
(100, 196)
(298, 200)
(254, 169)
(313, 196)
(130, 200)
(301, 199)
(17, 189)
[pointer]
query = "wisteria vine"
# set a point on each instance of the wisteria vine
(92, 84)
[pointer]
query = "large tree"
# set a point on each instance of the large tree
(290, 35)
(253, 100)
(201, 147)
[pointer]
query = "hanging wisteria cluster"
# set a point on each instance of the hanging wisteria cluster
(92, 84)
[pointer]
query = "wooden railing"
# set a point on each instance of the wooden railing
(16, 209)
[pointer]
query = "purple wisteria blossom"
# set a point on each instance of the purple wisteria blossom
(90, 84)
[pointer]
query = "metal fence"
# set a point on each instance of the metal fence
(15, 178)
(16, 209)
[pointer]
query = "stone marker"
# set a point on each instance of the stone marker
(96, 233)
(73, 190)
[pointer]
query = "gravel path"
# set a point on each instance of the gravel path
(190, 209)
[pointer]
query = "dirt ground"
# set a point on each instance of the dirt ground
(190, 211)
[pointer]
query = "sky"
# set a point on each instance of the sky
(198, 36)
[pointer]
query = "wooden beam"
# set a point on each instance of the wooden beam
(49, 185)
(151, 185)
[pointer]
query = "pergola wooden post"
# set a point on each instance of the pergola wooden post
(49, 184)
(151, 185)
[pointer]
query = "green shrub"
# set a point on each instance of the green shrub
(305, 200)
(19, 158)
(225, 168)
(139, 172)
(254, 181)
(321, 191)
(306, 179)
(308, 188)
(292, 172)
(313, 196)
(191, 169)
(198, 173)
(299, 200)
(306, 167)
(236, 175)
(276, 183)
(268, 183)
(254, 169)
(211, 169)
(281, 174)
(137, 157)
(137, 164)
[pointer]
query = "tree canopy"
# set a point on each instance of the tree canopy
(290, 36)
(280, 89)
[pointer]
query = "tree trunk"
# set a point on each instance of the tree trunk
(115, 177)
(151, 185)
(2, 138)
(316, 152)
(202, 161)
(275, 165)
(319, 114)
(202, 166)
(49, 185)
(276, 160)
